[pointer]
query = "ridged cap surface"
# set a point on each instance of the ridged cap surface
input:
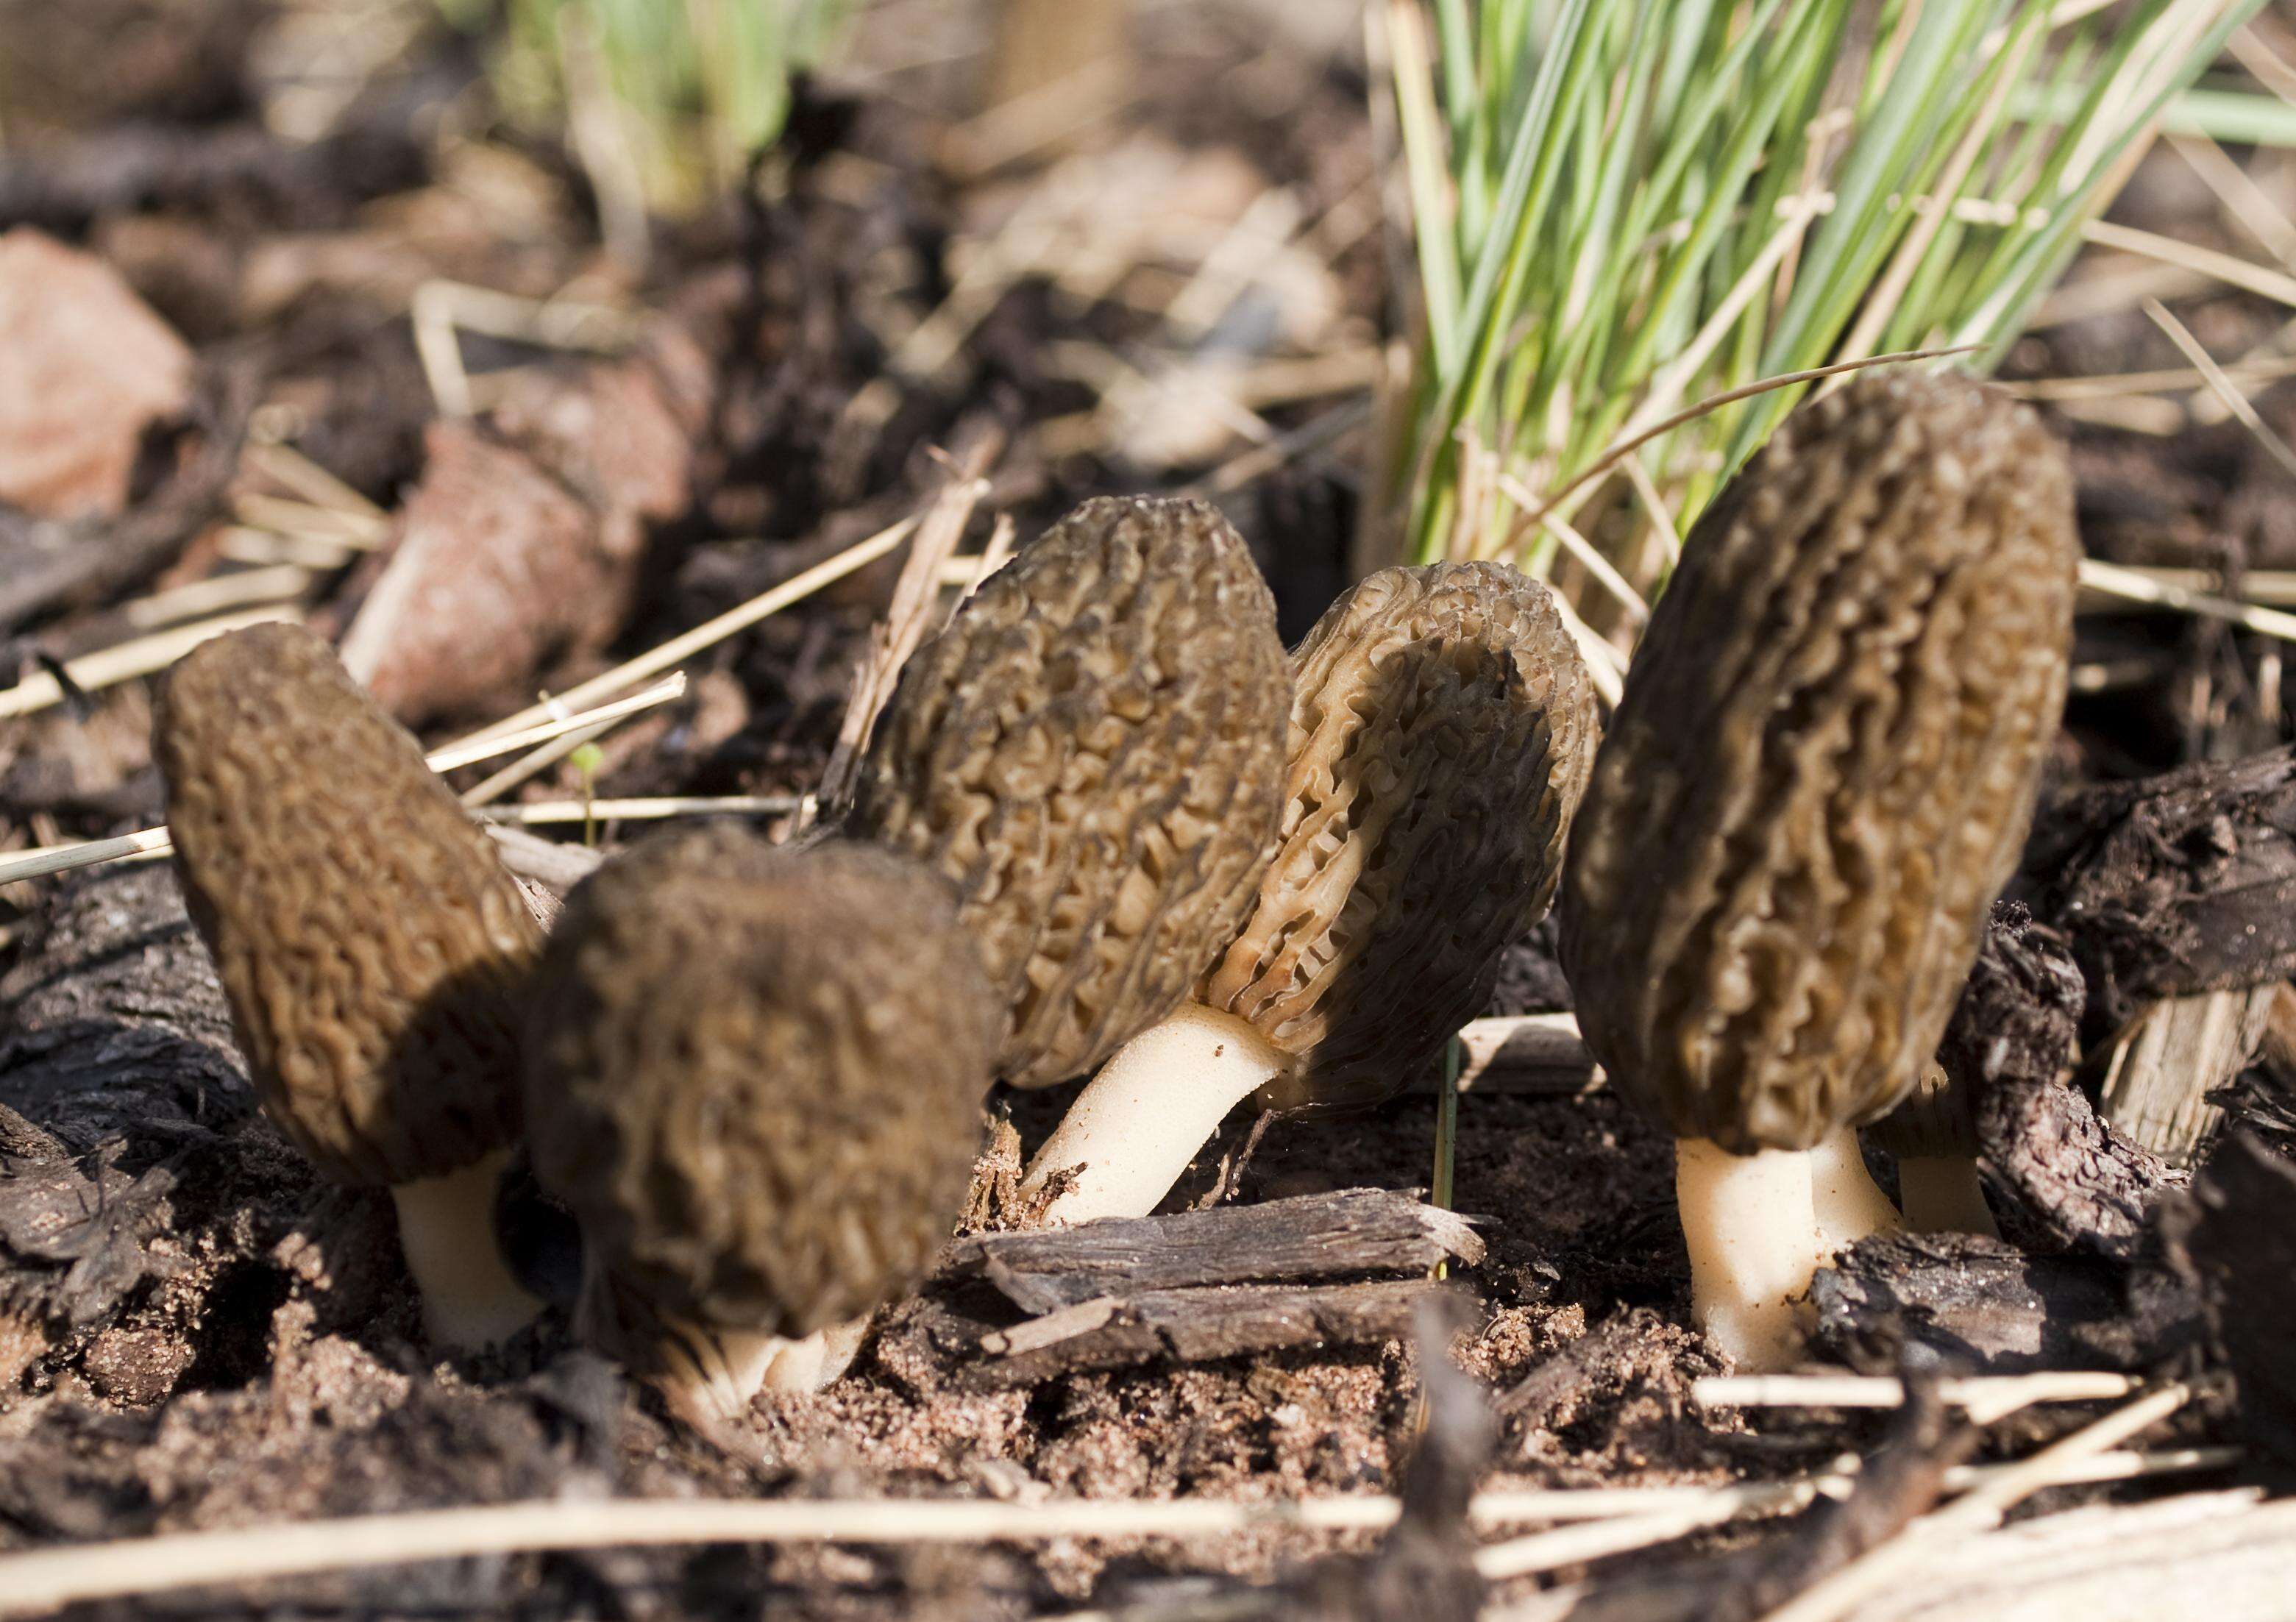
(1825, 763)
(1442, 727)
(1091, 752)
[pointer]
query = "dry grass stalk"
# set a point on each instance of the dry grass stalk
(653, 808)
(910, 617)
(35, 1583)
(124, 662)
(1978, 1511)
(684, 646)
(153, 841)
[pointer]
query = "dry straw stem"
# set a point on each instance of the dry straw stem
(908, 618)
(680, 648)
(2233, 400)
(1981, 1510)
(35, 1583)
(218, 593)
(651, 809)
(109, 667)
(347, 530)
(1985, 1398)
(2142, 585)
(153, 841)
(440, 309)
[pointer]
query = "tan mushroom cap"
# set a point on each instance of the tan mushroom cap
(756, 1075)
(1443, 725)
(369, 940)
(1825, 762)
(1093, 752)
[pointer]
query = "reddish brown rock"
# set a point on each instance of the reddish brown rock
(88, 368)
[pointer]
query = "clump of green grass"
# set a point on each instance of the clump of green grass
(693, 87)
(1623, 210)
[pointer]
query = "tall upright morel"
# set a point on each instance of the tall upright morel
(371, 943)
(1092, 753)
(1442, 727)
(1820, 773)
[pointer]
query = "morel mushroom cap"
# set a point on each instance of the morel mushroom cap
(755, 1076)
(1091, 752)
(1824, 762)
(1442, 727)
(369, 940)
(1819, 774)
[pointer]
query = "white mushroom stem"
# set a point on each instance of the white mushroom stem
(1753, 1230)
(711, 1376)
(1137, 1123)
(447, 1232)
(1850, 1205)
(1944, 1195)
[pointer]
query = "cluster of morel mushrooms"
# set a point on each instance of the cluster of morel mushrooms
(1105, 827)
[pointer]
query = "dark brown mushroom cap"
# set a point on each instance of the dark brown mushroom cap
(1091, 752)
(756, 1075)
(369, 940)
(1825, 763)
(1442, 727)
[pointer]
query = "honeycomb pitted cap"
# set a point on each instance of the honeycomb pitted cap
(1093, 753)
(1825, 763)
(1443, 725)
(370, 941)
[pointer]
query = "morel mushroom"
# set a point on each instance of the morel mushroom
(1819, 774)
(1933, 1135)
(1091, 752)
(370, 942)
(1442, 727)
(755, 1077)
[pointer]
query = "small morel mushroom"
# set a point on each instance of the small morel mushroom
(1442, 727)
(1933, 1135)
(370, 942)
(1091, 752)
(755, 1077)
(1820, 773)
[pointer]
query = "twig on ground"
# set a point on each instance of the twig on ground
(1978, 1510)
(108, 667)
(684, 646)
(41, 1581)
(153, 841)
(910, 615)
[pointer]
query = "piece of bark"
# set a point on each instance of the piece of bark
(2179, 883)
(1347, 1233)
(2243, 1238)
(2161, 1069)
(129, 1122)
(2007, 1044)
(1987, 1308)
(1192, 1326)
(1527, 1053)
(88, 367)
